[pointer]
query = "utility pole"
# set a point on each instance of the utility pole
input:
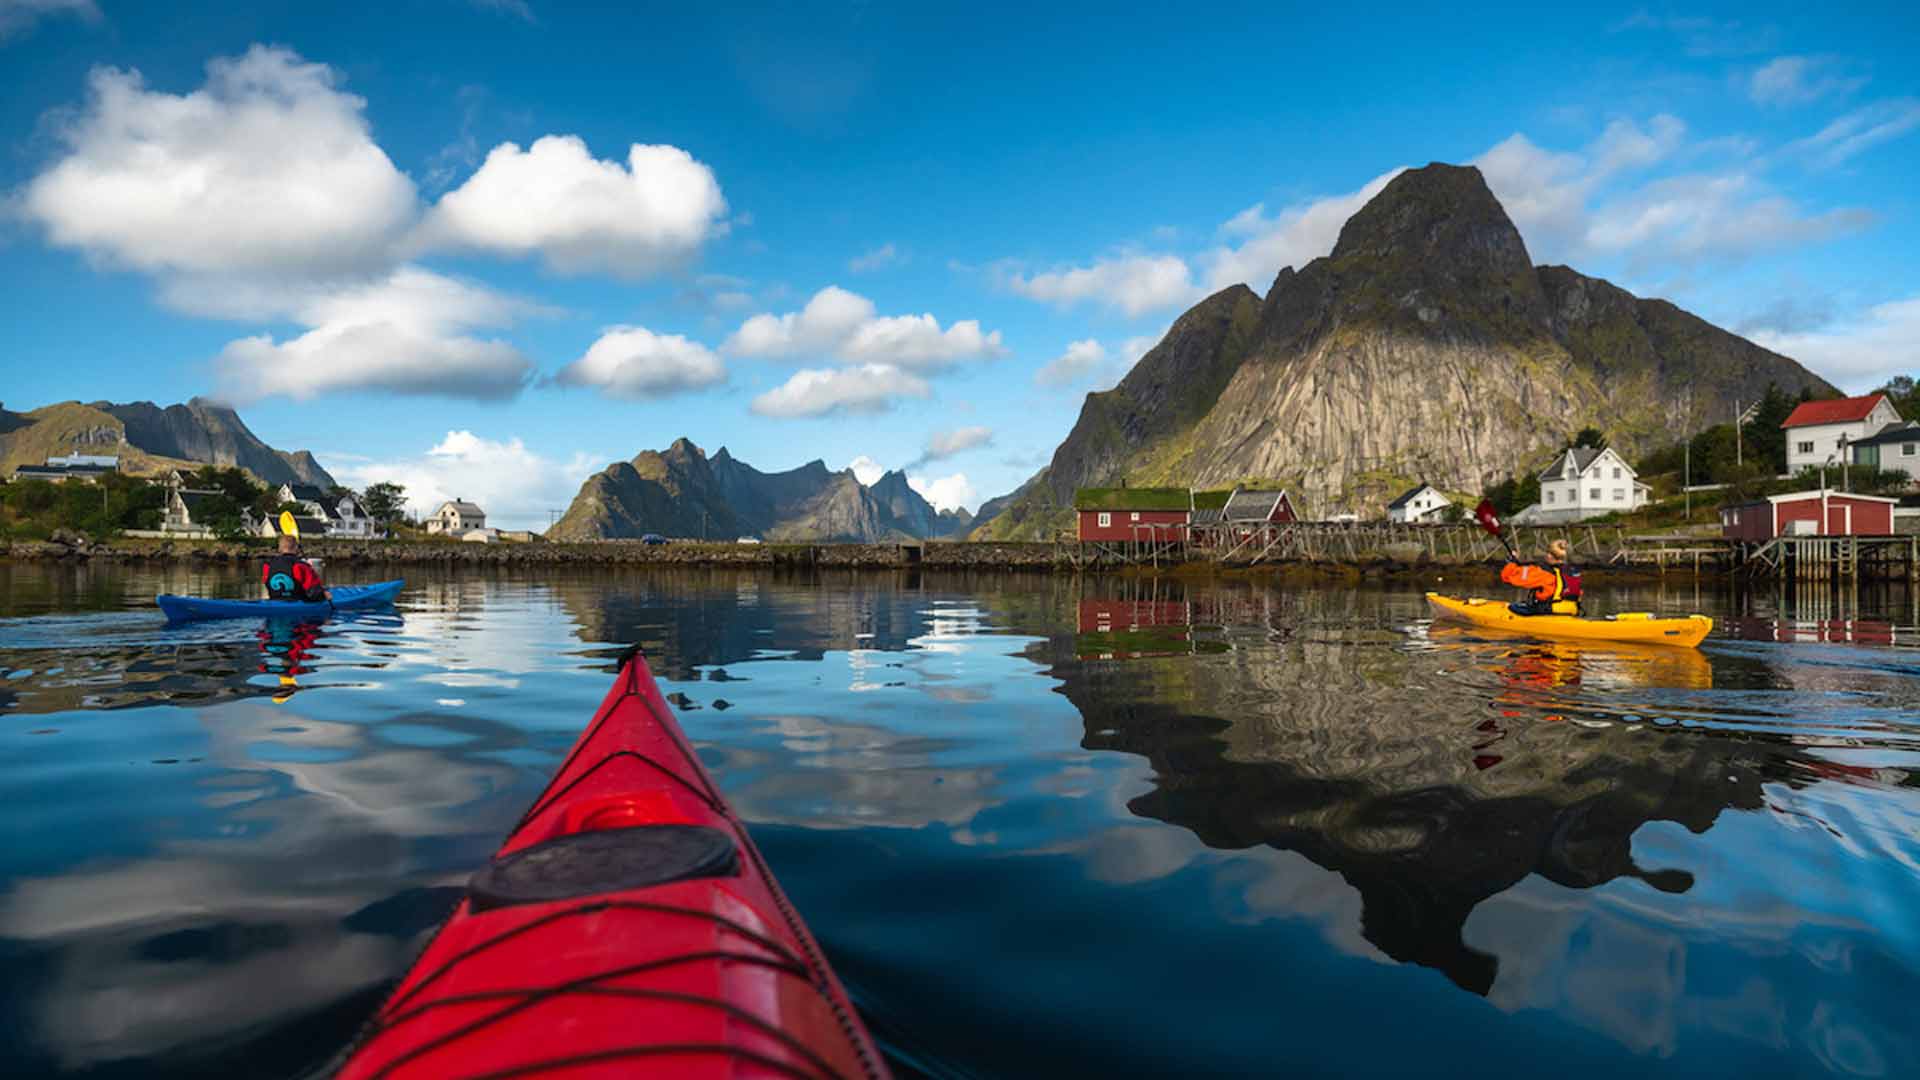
(1739, 457)
(1686, 477)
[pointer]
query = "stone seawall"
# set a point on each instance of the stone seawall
(945, 556)
(877, 556)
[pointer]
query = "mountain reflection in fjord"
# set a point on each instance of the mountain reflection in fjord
(1043, 825)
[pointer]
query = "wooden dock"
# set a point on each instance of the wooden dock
(1799, 558)
(1338, 542)
(1832, 558)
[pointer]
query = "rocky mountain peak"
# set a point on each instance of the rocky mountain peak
(1426, 345)
(679, 492)
(200, 431)
(1440, 213)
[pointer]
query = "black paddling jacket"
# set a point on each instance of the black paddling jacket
(290, 577)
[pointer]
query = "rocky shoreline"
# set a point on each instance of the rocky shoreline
(934, 555)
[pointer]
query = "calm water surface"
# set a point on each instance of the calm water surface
(1043, 826)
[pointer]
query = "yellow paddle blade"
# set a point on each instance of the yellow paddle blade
(289, 526)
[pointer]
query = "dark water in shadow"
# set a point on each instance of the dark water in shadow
(1043, 826)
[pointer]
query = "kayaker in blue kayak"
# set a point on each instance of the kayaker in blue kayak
(287, 576)
(1555, 585)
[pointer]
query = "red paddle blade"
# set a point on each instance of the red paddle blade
(1487, 517)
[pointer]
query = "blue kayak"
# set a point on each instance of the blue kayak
(182, 608)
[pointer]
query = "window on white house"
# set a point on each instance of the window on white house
(1619, 494)
(1549, 495)
(1907, 449)
(1594, 494)
(1616, 472)
(1803, 448)
(1106, 519)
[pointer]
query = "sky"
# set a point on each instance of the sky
(486, 247)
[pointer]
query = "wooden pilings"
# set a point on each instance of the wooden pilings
(1833, 558)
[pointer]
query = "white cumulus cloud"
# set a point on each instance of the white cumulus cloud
(868, 388)
(555, 199)
(406, 334)
(1548, 193)
(840, 325)
(952, 492)
(1575, 206)
(945, 444)
(1134, 284)
(866, 470)
(1860, 353)
(1698, 217)
(515, 485)
(268, 167)
(1081, 361)
(634, 362)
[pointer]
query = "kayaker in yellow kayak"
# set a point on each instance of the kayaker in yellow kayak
(1555, 585)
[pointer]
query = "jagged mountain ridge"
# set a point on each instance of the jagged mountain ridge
(150, 439)
(681, 492)
(1425, 346)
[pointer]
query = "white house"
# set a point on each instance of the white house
(457, 516)
(188, 511)
(1818, 432)
(69, 467)
(1424, 503)
(1583, 483)
(308, 527)
(342, 515)
(1894, 448)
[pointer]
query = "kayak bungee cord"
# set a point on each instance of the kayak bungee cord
(627, 918)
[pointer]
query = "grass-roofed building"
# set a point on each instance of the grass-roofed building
(1121, 514)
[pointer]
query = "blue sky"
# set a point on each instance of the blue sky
(486, 248)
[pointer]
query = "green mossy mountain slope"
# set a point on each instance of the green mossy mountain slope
(150, 439)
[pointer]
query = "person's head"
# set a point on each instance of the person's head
(1557, 552)
(289, 545)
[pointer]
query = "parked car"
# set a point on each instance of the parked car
(749, 540)
(653, 538)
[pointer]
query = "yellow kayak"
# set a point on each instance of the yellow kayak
(1637, 626)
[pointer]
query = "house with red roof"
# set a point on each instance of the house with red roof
(1818, 432)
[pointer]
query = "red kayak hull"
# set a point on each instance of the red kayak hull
(570, 958)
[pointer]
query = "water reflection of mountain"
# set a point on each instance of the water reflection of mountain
(681, 621)
(1431, 777)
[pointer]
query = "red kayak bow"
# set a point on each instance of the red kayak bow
(627, 926)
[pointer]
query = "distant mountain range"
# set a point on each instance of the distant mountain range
(680, 492)
(150, 439)
(1426, 347)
